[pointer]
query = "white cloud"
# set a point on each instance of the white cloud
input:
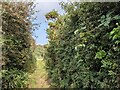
(45, 7)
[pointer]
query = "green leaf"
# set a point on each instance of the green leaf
(83, 28)
(76, 31)
(81, 45)
(82, 34)
(103, 16)
(112, 32)
(116, 17)
(111, 72)
(100, 54)
(115, 37)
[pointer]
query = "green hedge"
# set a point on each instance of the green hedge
(84, 46)
(17, 50)
(14, 79)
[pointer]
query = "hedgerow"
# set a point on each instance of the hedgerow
(17, 48)
(84, 46)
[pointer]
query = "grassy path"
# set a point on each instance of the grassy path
(39, 77)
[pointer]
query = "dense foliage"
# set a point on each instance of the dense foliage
(15, 79)
(17, 49)
(39, 51)
(84, 46)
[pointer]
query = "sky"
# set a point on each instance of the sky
(44, 7)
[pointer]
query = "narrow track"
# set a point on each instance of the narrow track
(39, 77)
